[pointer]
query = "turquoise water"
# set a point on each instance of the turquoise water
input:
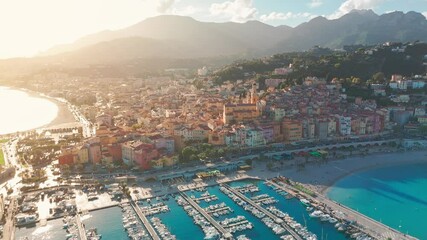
(181, 225)
(297, 210)
(108, 223)
(177, 221)
(259, 231)
(395, 196)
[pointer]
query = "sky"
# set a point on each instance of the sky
(28, 27)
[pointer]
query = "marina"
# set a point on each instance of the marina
(246, 209)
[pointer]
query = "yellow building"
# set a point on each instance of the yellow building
(422, 120)
(156, 164)
(170, 161)
(292, 130)
(83, 154)
(80, 154)
(240, 112)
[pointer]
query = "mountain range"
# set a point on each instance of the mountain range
(170, 36)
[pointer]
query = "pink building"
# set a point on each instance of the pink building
(164, 143)
(139, 154)
(144, 155)
(267, 133)
(94, 153)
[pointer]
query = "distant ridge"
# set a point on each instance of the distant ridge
(172, 36)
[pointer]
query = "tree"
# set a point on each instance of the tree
(187, 152)
(220, 152)
(378, 77)
(269, 166)
(202, 155)
(423, 130)
(356, 81)
(324, 158)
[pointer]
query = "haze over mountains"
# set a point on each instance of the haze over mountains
(184, 37)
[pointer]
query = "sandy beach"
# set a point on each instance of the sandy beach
(321, 177)
(64, 117)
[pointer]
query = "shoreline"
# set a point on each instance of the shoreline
(322, 178)
(333, 182)
(64, 116)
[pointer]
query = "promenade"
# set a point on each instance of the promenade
(367, 225)
(9, 227)
(267, 213)
(145, 221)
(225, 233)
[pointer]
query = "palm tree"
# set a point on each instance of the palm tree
(306, 157)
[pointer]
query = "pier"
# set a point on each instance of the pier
(210, 197)
(263, 210)
(237, 223)
(218, 209)
(82, 232)
(367, 225)
(155, 210)
(145, 221)
(225, 233)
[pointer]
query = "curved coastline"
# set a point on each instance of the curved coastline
(377, 165)
(63, 115)
(321, 178)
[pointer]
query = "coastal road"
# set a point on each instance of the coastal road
(369, 225)
(9, 227)
(266, 212)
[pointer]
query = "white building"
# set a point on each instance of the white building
(344, 125)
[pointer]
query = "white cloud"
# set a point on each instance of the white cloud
(165, 6)
(315, 3)
(349, 5)
(285, 16)
(188, 10)
(236, 11)
(425, 14)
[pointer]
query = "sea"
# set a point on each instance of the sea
(20, 112)
(395, 196)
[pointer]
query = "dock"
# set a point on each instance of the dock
(262, 199)
(225, 233)
(265, 211)
(147, 211)
(218, 209)
(367, 224)
(204, 197)
(145, 221)
(82, 232)
(237, 224)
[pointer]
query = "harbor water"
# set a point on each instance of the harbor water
(395, 196)
(108, 222)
